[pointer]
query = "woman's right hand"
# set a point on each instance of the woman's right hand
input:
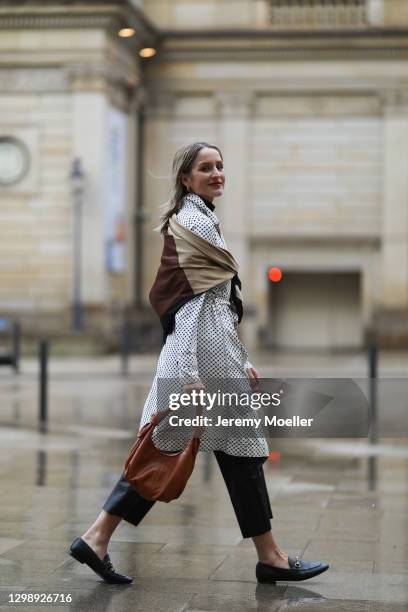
(195, 387)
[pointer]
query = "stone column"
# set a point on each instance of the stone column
(157, 170)
(375, 12)
(135, 216)
(95, 96)
(394, 292)
(234, 114)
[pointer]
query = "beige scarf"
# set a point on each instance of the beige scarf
(189, 266)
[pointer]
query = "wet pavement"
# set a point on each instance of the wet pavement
(341, 501)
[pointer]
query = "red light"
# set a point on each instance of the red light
(274, 275)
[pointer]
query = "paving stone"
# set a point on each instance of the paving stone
(190, 554)
(7, 544)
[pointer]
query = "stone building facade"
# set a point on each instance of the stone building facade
(308, 101)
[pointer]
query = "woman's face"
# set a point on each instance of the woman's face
(207, 177)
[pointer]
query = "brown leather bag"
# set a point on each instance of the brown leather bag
(156, 474)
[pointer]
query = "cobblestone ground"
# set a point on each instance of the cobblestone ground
(342, 501)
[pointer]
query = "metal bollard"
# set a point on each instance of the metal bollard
(43, 384)
(372, 389)
(16, 346)
(125, 347)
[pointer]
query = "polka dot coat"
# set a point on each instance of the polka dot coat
(204, 345)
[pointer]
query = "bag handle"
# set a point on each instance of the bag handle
(158, 416)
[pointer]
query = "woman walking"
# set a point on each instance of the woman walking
(199, 316)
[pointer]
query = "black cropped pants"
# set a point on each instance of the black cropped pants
(245, 480)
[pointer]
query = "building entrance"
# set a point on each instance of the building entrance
(315, 311)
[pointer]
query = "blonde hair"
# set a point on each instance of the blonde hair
(183, 161)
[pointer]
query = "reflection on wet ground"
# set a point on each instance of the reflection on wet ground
(342, 501)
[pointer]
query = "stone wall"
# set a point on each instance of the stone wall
(59, 89)
(313, 127)
(230, 14)
(36, 217)
(314, 154)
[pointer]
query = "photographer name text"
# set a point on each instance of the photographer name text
(266, 421)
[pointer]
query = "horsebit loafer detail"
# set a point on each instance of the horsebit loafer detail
(298, 570)
(83, 553)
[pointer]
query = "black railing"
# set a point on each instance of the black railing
(138, 336)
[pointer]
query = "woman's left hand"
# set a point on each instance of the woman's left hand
(254, 378)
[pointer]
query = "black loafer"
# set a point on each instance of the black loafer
(298, 570)
(83, 553)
